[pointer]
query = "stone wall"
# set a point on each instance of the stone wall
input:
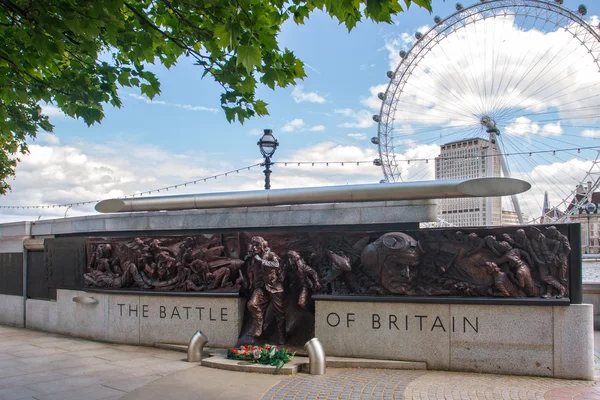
(553, 341)
(139, 319)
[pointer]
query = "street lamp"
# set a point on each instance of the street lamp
(268, 144)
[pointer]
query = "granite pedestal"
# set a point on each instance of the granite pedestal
(553, 341)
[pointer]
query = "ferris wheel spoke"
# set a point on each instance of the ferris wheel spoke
(556, 183)
(431, 117)
(530, 68)
(451, 95)
(474, 88)
(551, 81)
(450, 98)
(464, 80)
(520, 198)
(543, 142)
(553, 183)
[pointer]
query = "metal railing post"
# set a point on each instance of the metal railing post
(316, 357)
(196, 346)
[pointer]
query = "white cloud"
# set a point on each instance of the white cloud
(546, 178)
(552, 129)
(47, 138)
(358, 136)
(361, 119)
(591, 133)
(402, 42)
(346, 112)
(467, 75)
(52, 111)
(373, 101)
(298, 125)
(256, 131)
(522, 126)
(406, 129)
(293, 126)
(80, 172)
(300, 96)
(188, 107)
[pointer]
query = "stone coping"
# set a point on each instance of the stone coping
(446, 300)
(217, 358)
(119, 292)
(591, 288)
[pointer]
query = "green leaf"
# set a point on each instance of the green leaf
(248, 56)
(426, 4)
(229, 113)
(261, 108)
(374, 8)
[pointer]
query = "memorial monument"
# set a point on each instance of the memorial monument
(499, 299)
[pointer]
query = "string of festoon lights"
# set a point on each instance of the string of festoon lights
(138, 194)
(291, 163)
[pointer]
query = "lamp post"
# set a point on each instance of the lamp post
(267, 145)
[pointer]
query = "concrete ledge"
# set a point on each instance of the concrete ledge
(218, 359)
(331, 362)
(346, 362)
(591, 295)
(395, 212)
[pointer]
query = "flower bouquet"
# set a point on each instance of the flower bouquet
(266, 355)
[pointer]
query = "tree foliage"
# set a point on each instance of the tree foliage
(76, 54)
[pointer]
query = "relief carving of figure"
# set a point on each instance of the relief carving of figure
(515, 259)
(389, 260)
(304, 276)
(265, 277)
(562, 250)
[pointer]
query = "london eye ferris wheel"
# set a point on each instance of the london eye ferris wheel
(522, 74)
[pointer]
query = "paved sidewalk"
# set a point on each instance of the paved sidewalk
(46, 366)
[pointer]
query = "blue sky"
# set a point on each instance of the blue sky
(182, 134)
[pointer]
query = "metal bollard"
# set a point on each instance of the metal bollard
(196, 347)
(316, 357)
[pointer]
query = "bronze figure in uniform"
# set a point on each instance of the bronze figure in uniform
(265, 278)
(304, 276)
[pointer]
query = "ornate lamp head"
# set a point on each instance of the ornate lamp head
(268, 144)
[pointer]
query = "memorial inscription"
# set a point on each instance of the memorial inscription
(415, 323)
(278, 272)
(171, 312)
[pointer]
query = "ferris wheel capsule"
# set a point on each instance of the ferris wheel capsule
(418, 35)
(559, 2)
(402, 53)
(377, 162)
(375, 140)
(437, 19)
(459, 7)
(390, 74)
(381, 96)
(376, 118)
(582, 9)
